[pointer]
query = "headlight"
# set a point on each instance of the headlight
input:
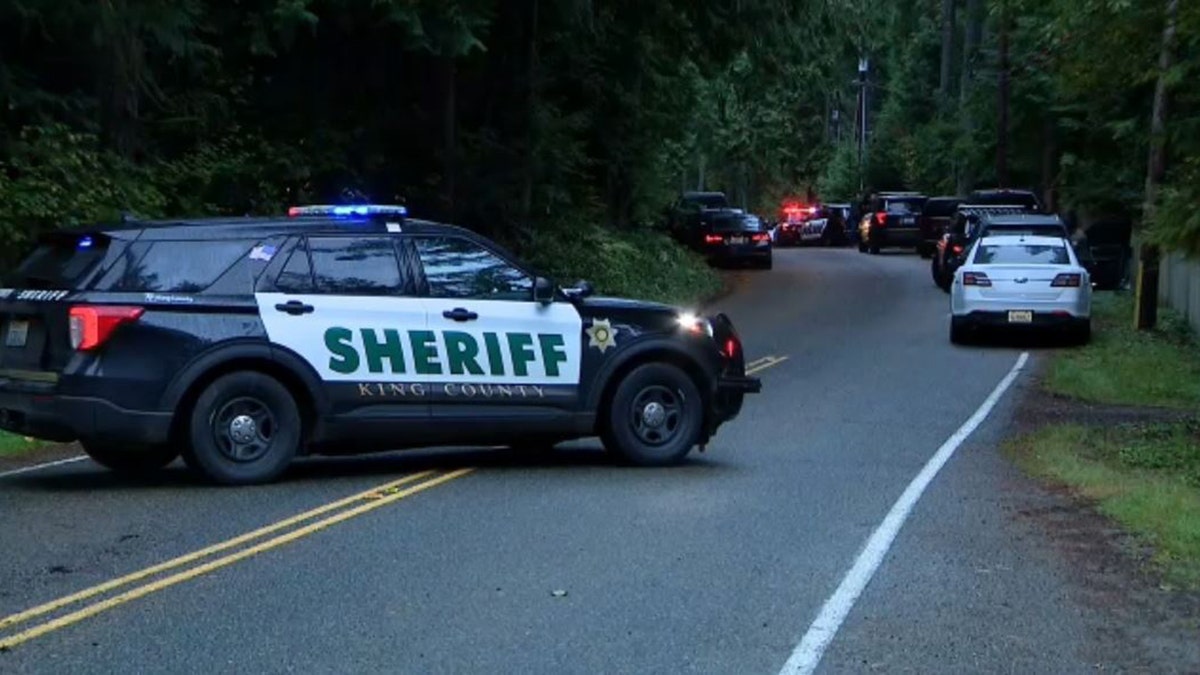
(695, 324)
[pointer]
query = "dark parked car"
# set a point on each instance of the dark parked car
(683, 216)
(891, 221)
(974, 224)
(1025, 199)
(732, 236)
(936, 218)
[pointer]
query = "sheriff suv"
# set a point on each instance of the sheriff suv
(243, 343)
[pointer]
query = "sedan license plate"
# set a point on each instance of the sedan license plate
(737, 240)
(908, 220)
(18, 333)
(1020, 317)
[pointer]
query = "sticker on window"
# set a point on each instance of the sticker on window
(263, 253)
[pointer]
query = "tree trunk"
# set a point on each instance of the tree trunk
(121, 72)
(972, 33)
(1156, 169)
(531, 132)
(450, 136)
(1050, 163)
(1002, 130)
(948, 8)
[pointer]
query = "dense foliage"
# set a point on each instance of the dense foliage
(530, 120)
(557, 124)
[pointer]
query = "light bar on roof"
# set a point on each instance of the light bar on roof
(348, 210)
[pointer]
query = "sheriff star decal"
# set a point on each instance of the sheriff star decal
(601, 335)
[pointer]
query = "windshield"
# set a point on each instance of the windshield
(903, 207)
(1022, 254)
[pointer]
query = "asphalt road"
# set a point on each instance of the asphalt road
(570, 564)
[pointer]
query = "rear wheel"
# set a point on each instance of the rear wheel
(768, 263)
(128, 458)
(874, 250)
(1082, 334)
(862, 247)
(958, 331)
(245, 428)
(654, 417)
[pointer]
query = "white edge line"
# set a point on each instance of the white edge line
(824, 628)
(38, 467)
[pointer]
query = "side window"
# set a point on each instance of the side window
(355, 266)
(175, 266)
(459, 268)
(296, 276)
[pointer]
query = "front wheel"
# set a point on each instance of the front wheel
(132, 459)
(654, 417)
(245, 428)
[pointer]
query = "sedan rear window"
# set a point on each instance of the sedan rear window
(1022, 254)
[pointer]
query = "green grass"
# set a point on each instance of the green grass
(641, 264)
(12, 445)
(1147, 478)
(1130, 367)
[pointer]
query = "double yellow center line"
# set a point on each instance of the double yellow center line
(347, 508)
(105, 596)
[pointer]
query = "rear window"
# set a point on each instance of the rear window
(903, 207)
(708, 201)
(175, 266)
(1022, 254)
(1025, 199)
(60, 262)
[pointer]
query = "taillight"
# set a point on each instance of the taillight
(957, 248)
(881, 217)
(976, 279)
(92, 325)
(1068, 279)
(713, 239)
(731, 348)
(762, 236)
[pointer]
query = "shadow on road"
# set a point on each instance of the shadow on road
(385, 464)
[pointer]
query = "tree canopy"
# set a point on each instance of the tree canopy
(533, 120)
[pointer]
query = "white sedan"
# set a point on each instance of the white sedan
(1021, 281)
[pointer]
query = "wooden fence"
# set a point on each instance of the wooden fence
(1179, 286)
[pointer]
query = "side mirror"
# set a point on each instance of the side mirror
(543, 290)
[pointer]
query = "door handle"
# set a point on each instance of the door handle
(294, 307)
(460, 314)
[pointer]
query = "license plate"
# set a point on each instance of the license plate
(909, 220)
(1020, 317)
(18, 333)
(737, 240)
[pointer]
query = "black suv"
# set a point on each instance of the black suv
(891, 222)
(242, 343)
(973, 224)
(936, 218)
(683, 216)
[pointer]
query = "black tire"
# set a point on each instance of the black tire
(924, 252)
(1082, 334)
(874, 250)
(862, 248)
(625, 431)
(272, 437)
(767, 264)
(959, 331)
(130, 459)
(933, 272)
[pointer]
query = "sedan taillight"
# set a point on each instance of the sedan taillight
(713, 239)
(1068, 280)
(976, 279)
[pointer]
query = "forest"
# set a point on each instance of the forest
(564, 127)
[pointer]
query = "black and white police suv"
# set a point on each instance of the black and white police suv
(242, 343)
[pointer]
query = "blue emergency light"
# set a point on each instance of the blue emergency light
(348, 210)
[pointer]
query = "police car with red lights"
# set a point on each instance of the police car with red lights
(242, 343)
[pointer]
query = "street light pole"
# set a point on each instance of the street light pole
(863, 67)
